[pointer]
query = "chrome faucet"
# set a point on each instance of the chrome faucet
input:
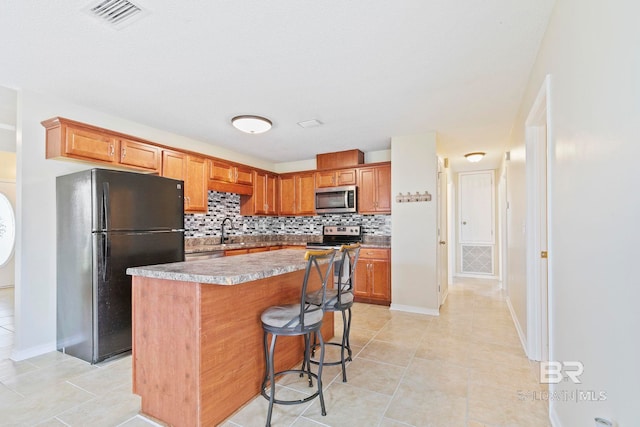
(223, 238)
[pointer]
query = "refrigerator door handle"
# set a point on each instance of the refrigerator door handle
(105, 256)
(105, 206)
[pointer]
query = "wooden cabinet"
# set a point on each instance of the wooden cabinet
(66, 138)
(135, 153)
(336, 178)
(193, 171)
(374, 189)
(230, 178)
(297, 192)
(263, 201)
(232, 252)
(339, 159)
(196, 190)
(373, 277)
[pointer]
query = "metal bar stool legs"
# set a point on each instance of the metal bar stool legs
(271, 375)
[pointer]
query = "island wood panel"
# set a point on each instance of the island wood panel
(165, 357)
(186, 378)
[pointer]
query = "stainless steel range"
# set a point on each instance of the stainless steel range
(334, 236)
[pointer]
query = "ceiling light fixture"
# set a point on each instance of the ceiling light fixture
(251, 124)
(474, 157)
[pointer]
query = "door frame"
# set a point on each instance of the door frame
(442, 253)
(538, 136)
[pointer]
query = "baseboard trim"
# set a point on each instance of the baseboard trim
(414, 309)
(444, 298)
(478, 276)
(19, 355)
(523, 339)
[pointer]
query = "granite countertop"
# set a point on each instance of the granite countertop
(211, 244)
(191, 249)
(227, 270)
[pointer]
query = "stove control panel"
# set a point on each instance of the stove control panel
(341, 230)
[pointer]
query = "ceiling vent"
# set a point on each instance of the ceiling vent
(116, 12)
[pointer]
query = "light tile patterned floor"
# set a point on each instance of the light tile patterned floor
(463, 368)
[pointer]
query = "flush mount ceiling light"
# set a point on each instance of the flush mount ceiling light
(474, 157)
(251, 124)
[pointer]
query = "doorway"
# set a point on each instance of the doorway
(537, 134)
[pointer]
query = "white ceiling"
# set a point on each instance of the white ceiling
(368, 70)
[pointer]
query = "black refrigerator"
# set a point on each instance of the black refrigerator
(108, 221)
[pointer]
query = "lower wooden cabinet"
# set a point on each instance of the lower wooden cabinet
(373, 277)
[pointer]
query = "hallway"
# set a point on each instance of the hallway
(463, 368)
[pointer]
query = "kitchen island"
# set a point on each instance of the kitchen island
(197, 337)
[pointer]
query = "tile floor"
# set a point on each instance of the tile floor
(463, 368)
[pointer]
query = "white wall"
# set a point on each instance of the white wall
(35, 311)
(414, 167)
(591, 52)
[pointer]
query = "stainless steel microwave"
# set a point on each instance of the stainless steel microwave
(336, 199)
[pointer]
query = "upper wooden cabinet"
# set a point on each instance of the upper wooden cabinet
(66, 138)
(339, 159)
(336, 178)
(196, 184)
(134, 153)
(193, 171)
(297, 192)
(263, 201)
(374, 189)
(232, 178)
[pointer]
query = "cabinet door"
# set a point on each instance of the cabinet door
(244, 175)
(383, 188)
(90, 145)
(221, 171)
(173, 165)
(196, 184)
(287, 202)
(379, 280)
(346, 177)
(361, 279)
(305, 194)
(271, 193)
(139, 154)
(325, 179)
(367, 191)
(259, 193)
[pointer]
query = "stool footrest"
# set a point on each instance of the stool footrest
(302, 373)
(338, 362)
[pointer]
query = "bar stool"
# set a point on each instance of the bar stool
(296, 320)
(340, 298)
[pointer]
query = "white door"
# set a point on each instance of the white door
(442, 253)
(537, 131)
(476, 222)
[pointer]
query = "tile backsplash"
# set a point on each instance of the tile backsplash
(222, 205)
